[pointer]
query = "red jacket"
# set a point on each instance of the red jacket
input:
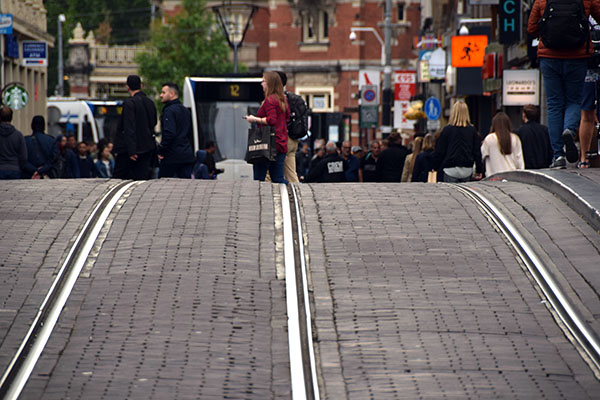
(591, 7)
(277, 118)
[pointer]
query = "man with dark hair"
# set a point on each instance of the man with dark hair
(40, 150)
(535, 142)
(134, 140)
(213, 171)
(391, 160)
(329, 169)
(175, 152)
(13, 151)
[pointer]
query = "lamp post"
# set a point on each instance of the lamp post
(235, 19)
(386, 64)
(61, 69)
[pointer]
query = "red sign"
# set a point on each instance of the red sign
(405, 84)
(468, 51)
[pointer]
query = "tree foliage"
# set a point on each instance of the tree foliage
(189, 44)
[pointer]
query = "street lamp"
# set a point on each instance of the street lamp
(61, 69)
(352, 38)
(235, 20)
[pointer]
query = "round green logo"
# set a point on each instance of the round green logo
(15, 96)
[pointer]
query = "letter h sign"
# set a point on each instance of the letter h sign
(509, 21)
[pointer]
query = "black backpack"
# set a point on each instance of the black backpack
(298, 125)
(564, 25)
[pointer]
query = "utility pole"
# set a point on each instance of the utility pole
(386, 105)
(61, 69)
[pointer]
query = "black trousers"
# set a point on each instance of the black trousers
(126, 168)
(183, 171)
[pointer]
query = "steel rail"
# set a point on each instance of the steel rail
(298, 376)
(576, 325)
(18, 371)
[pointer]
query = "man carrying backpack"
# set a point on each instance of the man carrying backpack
(297, 129)
(563, 52)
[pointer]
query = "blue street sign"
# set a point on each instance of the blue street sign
(6, 24)
(433, 108)
(369, 95)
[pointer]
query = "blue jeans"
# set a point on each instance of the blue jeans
(275, 169)
(563, 82)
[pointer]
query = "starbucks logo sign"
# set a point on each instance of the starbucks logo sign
(15, 96)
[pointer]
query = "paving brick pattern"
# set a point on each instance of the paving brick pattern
(38, 220)
(182, 302)
(416, 296)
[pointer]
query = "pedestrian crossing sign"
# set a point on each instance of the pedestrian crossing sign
(468, 51)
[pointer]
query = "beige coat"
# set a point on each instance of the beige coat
(495, 161)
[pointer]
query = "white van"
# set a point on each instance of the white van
(89, 120)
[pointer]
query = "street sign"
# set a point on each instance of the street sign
(369, 116)
(369, 95)
(433, 108)
(35, 54)
(468, 51)
(6, 24)
(433, 125)
(15, 96)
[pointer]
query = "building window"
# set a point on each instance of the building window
(318, 99)
(315, 28)
(401, 11)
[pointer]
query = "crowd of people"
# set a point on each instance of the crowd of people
(456, 153)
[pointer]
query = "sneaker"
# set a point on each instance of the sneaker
(572, 153)
(559, 163)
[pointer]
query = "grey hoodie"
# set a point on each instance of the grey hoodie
(13, 151)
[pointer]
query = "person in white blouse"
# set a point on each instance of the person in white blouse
(501, 149)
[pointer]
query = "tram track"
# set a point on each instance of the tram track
(300, 333)
(23, 362)
(569, 319)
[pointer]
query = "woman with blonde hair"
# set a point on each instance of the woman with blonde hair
(458, 147)
(274, 111)
(409, 162)
(501, 149)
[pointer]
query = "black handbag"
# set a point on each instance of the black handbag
(261, 144)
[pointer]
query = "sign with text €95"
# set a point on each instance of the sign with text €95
(468, 51)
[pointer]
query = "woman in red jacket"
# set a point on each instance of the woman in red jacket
(275, 112)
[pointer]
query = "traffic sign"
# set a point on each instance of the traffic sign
(35, 54)
(433, 108)
(369, 95)
(369, 116)
(468, 51)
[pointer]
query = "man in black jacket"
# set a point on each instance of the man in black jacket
(391, 160)
(535, 142)
(134, 141)
(175, 152)
(329, 169)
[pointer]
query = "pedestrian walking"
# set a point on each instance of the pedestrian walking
(425, 160)
(563, 51)
(303, 157)
(501, 149)
(352, 163)
(391, 160)
(134, 141)
(329, 169)
(13, 151)
(175, 152)
(368, 164)
(409, 163)
(537, 152)
(275, 112)
(105, 164)
(85, 162)
(458, 147)
(40, 151)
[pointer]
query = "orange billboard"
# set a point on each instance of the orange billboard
(468, 51)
